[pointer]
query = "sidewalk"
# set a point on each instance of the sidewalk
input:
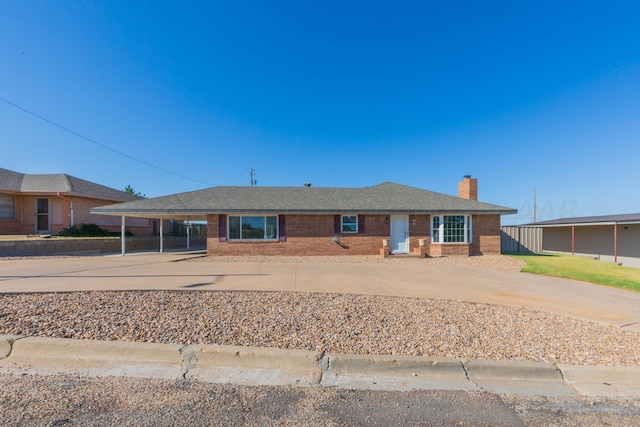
(278, 367)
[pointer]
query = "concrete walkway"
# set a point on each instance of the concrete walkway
(411, 277)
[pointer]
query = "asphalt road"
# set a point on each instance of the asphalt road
(27, 400)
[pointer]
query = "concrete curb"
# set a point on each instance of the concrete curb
(603, 380)
(251, 365)
(271, 366)
(388, 372)
(517, 377)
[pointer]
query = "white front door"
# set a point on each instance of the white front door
(399, 234)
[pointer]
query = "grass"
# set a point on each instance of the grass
(583, 269)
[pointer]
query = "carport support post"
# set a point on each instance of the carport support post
(615, 243)
(122, 235)
(188, 231)
(573, 240)
(161, 233)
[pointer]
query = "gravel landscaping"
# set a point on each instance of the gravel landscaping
(352, 324)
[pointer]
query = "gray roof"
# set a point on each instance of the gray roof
(16, 183)
(583, 220)
(386, 198)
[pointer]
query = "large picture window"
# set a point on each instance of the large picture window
(7, 206)
(451, 229)
(247, 227)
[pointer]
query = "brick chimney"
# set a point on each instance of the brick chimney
(468, 188)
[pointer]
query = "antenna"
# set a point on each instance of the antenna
(252, 179)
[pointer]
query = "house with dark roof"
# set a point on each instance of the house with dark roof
(48, 203)
(383, 219)
(614, 238)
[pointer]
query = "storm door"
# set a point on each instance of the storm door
(42, 216)
(399, 234)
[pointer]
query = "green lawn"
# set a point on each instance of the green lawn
(581, 268)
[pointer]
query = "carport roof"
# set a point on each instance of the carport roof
(591, 220)
(386, 198)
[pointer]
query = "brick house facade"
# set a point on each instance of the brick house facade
(49, 203)
(381, 220)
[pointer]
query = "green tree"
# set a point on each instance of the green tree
(129, 189)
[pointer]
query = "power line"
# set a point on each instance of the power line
(93, 141)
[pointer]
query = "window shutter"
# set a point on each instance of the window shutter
(222, 228)
(337, 219)
(360, 224)
(282, 228)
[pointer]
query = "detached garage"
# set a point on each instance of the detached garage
(614, 238)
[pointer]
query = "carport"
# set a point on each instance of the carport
(146, 208)
(614, 238)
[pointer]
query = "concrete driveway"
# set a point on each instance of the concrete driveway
(411, 277)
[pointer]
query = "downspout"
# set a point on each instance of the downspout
(122, 235)
(161, 233)
(71, 221)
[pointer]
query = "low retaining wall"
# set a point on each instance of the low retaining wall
(53, 246)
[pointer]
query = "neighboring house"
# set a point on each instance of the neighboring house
(48, 203)
(614, 238)
(383, 219)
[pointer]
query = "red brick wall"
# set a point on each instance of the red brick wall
(486, 235)
(446, 249)
(419, 228)
(60, 218)
(486, 239)
(306, 235)
(313, 235)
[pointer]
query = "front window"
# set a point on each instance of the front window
(7, 206)
(349, 224)
(451, 229)
(253, 227)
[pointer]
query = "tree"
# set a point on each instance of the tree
(129, 189)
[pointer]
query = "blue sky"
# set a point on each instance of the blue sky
(521, 95)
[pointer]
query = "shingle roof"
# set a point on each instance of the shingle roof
(610, 219)
(15, 182)
(383, 198)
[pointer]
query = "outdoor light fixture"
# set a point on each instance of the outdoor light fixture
(386, 220)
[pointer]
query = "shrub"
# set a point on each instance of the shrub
(89, 230)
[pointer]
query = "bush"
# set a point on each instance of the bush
(90, 230)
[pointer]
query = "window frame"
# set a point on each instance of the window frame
(254, 239)
(349, 225)
(14, 200)
(439, 229)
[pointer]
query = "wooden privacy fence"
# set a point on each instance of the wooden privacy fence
(521, 239)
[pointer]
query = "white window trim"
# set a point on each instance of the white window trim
(468, 230)
(275, 239)
(342, 224)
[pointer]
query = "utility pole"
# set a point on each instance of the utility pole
(253, 180)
